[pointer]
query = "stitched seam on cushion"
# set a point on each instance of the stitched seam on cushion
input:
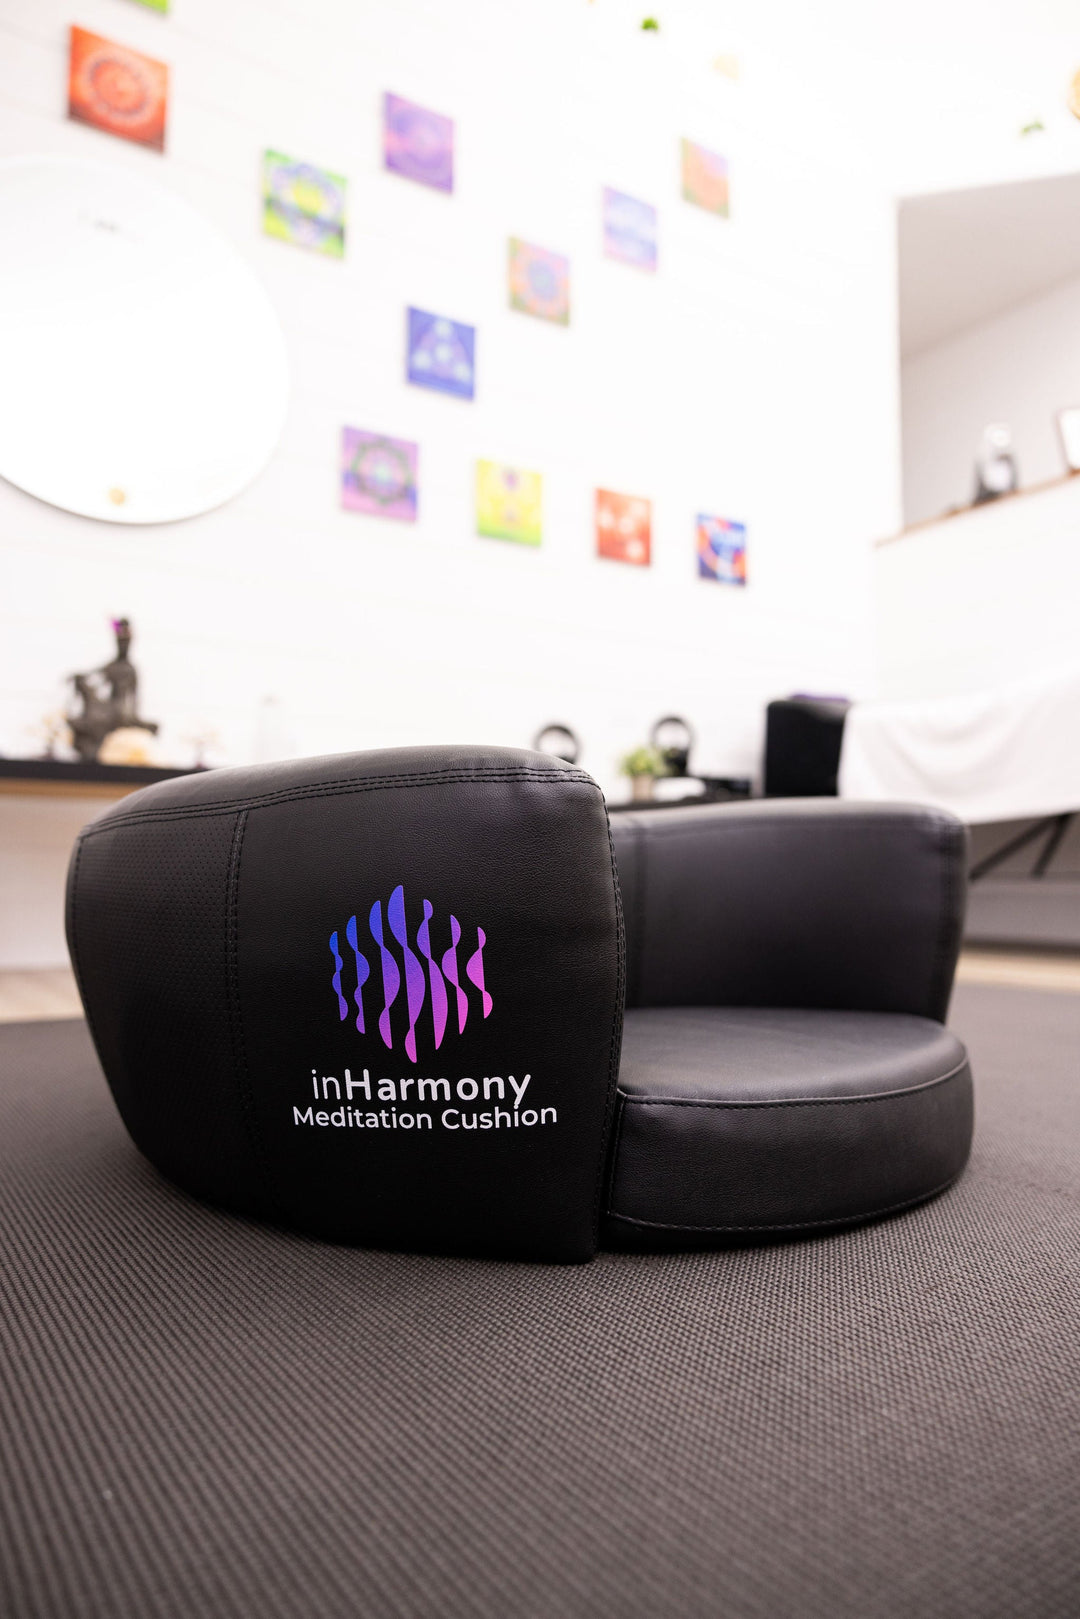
(799, 1101)
(793, 1225)
(232, 1000)
(603, 1174)
(625, 903)
(641, 855)
(939, 975)
(657, 822)
(685, 828)
(615, 1145)
(329, 789)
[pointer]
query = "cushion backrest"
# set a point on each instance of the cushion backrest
(790, 902)
(376, 997)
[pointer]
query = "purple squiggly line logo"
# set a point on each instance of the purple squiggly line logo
(421, 986)
(363, 973)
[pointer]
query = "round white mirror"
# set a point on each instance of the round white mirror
(143, 375)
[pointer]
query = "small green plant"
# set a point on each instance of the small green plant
(644, 761)
(650, 25)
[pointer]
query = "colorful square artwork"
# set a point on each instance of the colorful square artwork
(378, 474)
(623, 528)
(417, 143)
(721, 550)
(629, 230)
(117, 89)
(705, 179)
(539, 282)
(508, 503)
(441, 354)
(303, 205)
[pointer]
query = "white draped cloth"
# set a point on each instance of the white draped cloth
(998, 755)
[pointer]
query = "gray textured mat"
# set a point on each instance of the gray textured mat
(200, 1416)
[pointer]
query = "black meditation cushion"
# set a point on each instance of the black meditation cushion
(785, 1068)
(379, 998)
(376, 997)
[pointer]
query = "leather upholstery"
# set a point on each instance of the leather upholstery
(792, 903)
(379, 998)
(736, 1121)
(376, 997)
(784, 1065)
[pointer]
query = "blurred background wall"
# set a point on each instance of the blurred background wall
(703, 387)
(756, 376)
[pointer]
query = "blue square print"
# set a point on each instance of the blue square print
(441, 354)
(629, 230)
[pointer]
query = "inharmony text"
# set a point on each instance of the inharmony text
(347, 1115)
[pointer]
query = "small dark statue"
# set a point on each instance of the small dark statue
(108, 699)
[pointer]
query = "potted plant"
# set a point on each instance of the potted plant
(643, 765)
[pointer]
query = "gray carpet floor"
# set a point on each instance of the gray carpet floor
(200, 1416)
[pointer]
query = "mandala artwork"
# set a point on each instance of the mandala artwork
(378, 474)
(539, 282)
(623, 528)
(117, 89)
(721, 550)
(508, 503)
(441, 354)
(418, 144)
(303, 205)
(629, 230)
(705, 179)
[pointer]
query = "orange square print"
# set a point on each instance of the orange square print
(117, 89)
(623, 528)
(705, 179)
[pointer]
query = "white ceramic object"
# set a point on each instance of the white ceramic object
(143, 374)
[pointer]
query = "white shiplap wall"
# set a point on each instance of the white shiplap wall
(754, 377)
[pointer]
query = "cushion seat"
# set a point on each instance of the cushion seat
(735, 1122)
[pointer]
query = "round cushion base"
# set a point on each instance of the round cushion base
(743, 1123)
